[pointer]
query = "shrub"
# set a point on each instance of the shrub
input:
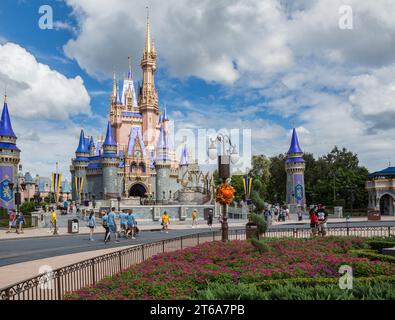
(259, 220)
(372, 255)
(230, 291)
(260, 245)
(380, 244)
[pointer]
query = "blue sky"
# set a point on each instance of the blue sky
(257, 65)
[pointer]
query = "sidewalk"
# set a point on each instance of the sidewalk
(152, 226)
(25, 270)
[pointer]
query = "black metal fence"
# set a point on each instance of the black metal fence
(53, 285)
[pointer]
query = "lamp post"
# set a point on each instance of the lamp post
(94, 201)
(224, 161)
(119, 203)
(163, 199)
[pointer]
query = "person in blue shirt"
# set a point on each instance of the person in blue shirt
(123, 216)
(91, 224)
(112, 224)
(131, 224)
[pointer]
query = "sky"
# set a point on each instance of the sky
(258, 65)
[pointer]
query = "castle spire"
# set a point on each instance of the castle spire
(184, 156)
(114, 86)
(148, 34)
(118, 99)
(5, 122)
(130, 74)
(110, 141)
(164, 117)
(295, 147)
(81, 146)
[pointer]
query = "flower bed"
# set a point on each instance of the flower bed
(186, 273)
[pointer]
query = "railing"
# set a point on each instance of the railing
(54, 284)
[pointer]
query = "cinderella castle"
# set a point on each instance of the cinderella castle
(136, 159)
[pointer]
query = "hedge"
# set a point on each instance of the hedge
(371, 254)
(380, 244)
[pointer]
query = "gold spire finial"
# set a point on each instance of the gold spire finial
(148, 35)
(5, 94)
(114, 85)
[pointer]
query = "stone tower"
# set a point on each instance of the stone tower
(148, 97)
(295, 166)
(162, 166)
(78, 168)
(9, 159)
(110, 163)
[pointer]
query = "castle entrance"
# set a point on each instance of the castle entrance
(138, 190)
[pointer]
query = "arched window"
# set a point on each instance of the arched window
(133, 167)
(142, 167)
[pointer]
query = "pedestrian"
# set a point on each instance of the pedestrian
(165, 222)
(268, 216)
(20, 220)
(287, 213)
(54, 219)
(300, 217)
(123, 217)
(11, 220)
(104, 220)
(91, 224)
(322, 219)
(210, 219)
(194, 218)
(131, 225)
(313, 222)
(66, 207)
(112, 224)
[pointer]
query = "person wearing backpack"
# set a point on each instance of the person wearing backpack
(20, 221)
(91, 224)
(104, 220)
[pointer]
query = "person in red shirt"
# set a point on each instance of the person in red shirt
(11, 220)
(313, 222)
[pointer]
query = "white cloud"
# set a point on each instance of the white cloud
(36, 91)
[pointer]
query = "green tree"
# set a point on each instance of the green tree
(236, 182)
(277, 182)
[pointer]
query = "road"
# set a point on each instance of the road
(26, 249)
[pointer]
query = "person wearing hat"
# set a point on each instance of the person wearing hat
(11, 220)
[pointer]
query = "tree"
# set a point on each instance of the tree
(261, 169)
(278, 178)
(257, 195)
(236, 182)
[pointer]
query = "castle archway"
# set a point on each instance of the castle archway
(387, 205)
(138, 190)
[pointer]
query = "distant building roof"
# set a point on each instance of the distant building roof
(388, 172)
(295, 147)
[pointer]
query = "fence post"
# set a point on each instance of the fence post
(59, 291)
(348, 231)
(163, 246)
(295, 233)
(93, 272)
(120, 261)
(181, 242)
(213, 235)
(142, 253)
(198, 240)
(389, 231)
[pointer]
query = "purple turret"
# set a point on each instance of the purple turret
(162, 142)
(164, 116)
(5, 123)
(110, 141)
(294, 148)
(81, 146)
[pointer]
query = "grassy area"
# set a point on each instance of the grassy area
(286, 269)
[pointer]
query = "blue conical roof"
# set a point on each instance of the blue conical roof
(5, 123)
(91, 143)
(184, 156)
(295, 148)
(110, 141)
(81, 146)
(164, 116)
(162, 143)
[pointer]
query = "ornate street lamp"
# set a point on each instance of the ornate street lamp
(224, 161)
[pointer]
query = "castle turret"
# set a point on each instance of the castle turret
(10, 157)
(295, 166)
(162, 166)
(148, 99)
(78, 169)
(110, 162)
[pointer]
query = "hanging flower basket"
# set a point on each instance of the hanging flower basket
(224, 194)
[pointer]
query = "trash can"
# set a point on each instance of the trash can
(73, 226)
